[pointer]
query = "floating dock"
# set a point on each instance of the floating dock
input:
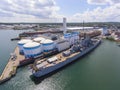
(25, 34)
(11, 67)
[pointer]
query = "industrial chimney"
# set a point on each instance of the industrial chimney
(64, 25)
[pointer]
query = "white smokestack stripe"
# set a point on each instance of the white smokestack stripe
(64, 25)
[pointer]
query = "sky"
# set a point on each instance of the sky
(54, 10)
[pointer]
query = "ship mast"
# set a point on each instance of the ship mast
(83, 30)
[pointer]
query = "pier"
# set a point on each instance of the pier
(11, 67)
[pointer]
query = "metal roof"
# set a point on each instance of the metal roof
(31, 44)
(23, 41)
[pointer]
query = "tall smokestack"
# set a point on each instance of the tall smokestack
(64, 25)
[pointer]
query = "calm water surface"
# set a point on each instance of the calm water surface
(99, 70)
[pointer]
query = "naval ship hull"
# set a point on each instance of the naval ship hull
(51, 69)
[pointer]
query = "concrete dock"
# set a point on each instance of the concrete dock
(11, 67)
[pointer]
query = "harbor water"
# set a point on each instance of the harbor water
(99, 70)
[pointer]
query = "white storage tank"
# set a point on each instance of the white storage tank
(32, 49)
(39, 39)
(67, 36)
(74, 37)
(48, 45)
(21, 43)
(62, 45)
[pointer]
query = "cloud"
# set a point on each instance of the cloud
(103, 2)
(31, 8)
(110, 13)
(5, 14)
(48, 11)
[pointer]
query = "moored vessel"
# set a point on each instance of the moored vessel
(48, 65)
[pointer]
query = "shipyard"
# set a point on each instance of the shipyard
(34, 47)
(59, 45)
(40, 45)
(47, 51)
(44, 52)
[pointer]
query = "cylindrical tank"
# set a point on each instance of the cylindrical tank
(48, 45)
(32, 49)
(38, 39)
(21, 43)
(74, 37)
(67, 36)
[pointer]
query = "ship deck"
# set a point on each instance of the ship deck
(44, 63)
(11, 67)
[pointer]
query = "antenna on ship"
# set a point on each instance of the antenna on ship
(84, 35)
